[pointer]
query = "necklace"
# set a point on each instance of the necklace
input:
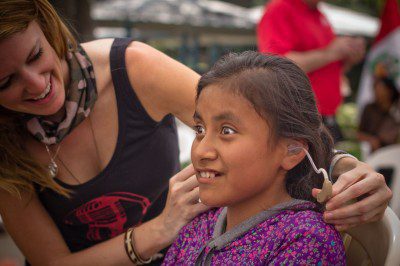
(53, 167)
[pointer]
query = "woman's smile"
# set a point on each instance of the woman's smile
(32, 78)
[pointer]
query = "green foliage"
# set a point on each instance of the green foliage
(347, 119)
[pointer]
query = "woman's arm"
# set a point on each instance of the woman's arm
(163, 85)
(40, 241)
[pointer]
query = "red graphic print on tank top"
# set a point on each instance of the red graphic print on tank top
(106, 215)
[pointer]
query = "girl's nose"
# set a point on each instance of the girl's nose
(34, 82)
(204, 149)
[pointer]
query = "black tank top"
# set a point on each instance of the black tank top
(133, 186)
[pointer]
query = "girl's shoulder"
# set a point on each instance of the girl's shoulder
(305, 238)
(303, 224)
(305, 217)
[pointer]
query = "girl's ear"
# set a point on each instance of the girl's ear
(294, 154)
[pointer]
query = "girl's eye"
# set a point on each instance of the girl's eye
(199, 130)
(227, 131)
(4, 85)
(37, 55)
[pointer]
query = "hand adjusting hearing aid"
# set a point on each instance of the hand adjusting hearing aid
(326, 191)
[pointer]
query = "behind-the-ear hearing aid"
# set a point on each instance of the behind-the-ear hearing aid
(294, 149)
(326, 191)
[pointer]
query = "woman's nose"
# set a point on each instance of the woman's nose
(34, 82)
(204, 149)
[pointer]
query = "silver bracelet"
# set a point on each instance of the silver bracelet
(335, 159)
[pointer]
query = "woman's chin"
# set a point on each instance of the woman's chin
(54, 106)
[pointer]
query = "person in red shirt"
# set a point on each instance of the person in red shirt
(299, 31)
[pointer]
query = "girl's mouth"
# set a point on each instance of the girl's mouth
(207, 176)
(46, 95)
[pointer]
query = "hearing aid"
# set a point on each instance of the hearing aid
(294, 149)
(326, 191)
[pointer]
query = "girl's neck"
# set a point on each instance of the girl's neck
(239, 212)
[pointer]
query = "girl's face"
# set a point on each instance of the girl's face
(233, 154)
(31, 74)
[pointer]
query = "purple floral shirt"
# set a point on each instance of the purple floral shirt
(290, 237)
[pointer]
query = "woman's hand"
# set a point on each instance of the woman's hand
(182, 202)
(359, 196)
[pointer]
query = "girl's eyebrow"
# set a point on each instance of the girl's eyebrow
(226, 116)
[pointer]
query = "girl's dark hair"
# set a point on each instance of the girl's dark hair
(281, 93)
(391, 86)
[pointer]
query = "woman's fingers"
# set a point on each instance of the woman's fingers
(190, 183)
(359, 196)
(358, 189)
(184, 174)
(190, 204)
(193, 196)
(360, 183)
(343, 227)
(197, 207)
(347, 179)
(182, 203)
(371, 216)
(179, 187)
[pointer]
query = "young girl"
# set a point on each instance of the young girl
(254, 114)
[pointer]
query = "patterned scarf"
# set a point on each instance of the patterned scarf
(80, 99)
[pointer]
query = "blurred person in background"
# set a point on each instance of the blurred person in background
(298, 30)
(88, 144)
(380, 120)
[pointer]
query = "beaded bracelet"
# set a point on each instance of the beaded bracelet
(338, 155)
(130, 249)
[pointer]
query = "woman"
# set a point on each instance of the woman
(380, 122)
(110, 152)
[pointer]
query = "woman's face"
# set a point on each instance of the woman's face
(232, 154)
(383, 95)
(31, 74)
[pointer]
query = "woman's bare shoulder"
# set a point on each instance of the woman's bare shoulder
(98, 49)
(99, 54)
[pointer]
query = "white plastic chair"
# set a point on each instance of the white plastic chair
(389, 157)
(374, 243)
